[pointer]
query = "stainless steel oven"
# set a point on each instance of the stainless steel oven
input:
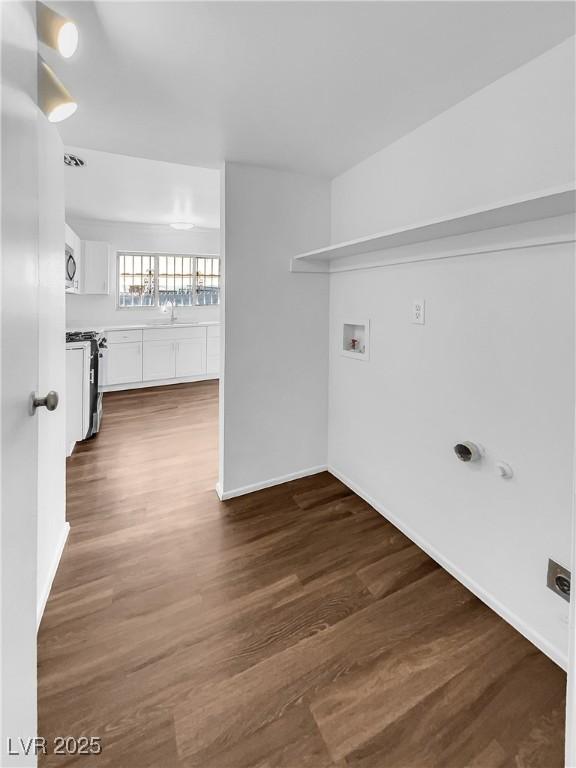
(97, 344)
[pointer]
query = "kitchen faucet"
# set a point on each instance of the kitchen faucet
(173, 316)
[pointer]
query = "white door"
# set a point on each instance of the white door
(19, 378)
(52, 526)
(158, 360)
(191, 357)
(124, 363)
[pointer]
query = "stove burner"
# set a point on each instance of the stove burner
(82, 335)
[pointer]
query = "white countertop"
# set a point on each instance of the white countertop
(142, 326)
(78, 345)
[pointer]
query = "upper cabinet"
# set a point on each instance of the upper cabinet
(95, 267)
(92, 262)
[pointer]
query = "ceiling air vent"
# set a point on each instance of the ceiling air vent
(73, 160)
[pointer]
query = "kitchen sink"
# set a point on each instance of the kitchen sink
(169, 323)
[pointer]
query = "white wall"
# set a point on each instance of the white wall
(273, 419)
(52, 526)
(92, 310)
(513, 138)
(494, 362)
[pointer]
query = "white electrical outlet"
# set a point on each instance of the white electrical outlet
(418, 311)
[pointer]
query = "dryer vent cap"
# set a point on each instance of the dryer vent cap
(73, 160)
(467, 451)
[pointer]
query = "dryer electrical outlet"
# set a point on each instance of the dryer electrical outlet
(558, 580)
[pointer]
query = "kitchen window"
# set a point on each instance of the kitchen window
(152, 280)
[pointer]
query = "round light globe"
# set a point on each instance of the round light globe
(62, 111)
(67, 39)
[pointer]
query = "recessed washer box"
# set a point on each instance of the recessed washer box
(355, 340)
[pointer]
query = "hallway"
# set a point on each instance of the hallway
(290, 628)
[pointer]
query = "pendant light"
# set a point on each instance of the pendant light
(56, 31)
(53, 98)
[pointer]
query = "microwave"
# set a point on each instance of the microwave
(70, 269)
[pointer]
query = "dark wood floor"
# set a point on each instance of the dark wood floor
(291, 628)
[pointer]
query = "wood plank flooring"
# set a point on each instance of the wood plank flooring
(291, 628)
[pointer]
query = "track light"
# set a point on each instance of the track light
(53, 98)
(56, 31)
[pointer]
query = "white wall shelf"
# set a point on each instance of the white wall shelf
(551, 203)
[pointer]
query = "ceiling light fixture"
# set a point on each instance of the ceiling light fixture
(53, 98)
(57, 31)
(182, 225)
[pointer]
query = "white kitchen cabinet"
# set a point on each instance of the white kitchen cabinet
(95, 267)
(176, 352)
(213, 350)
(190, 357)
(159, 361)
(213, 356)
(175, 333)
(120, 336)
(123, 363)
(168, 353)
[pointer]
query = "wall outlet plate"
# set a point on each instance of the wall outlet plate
(558, 580)
(418, 311)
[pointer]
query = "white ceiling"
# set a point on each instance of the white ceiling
(130, 189)
(310, 86)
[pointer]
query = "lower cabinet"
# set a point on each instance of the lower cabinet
(159, 360)
(190, 357)
(174, 359)
(161, 354)
(124, 363)
(213, 356)
(213, 349)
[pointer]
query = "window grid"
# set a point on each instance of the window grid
(151, 280)
(207, 280)
(136, 280)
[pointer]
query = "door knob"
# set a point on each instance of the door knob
(50, 402)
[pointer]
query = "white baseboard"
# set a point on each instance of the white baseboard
(43, 597)
(157, 383)
(224, 495)
(519, 624)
